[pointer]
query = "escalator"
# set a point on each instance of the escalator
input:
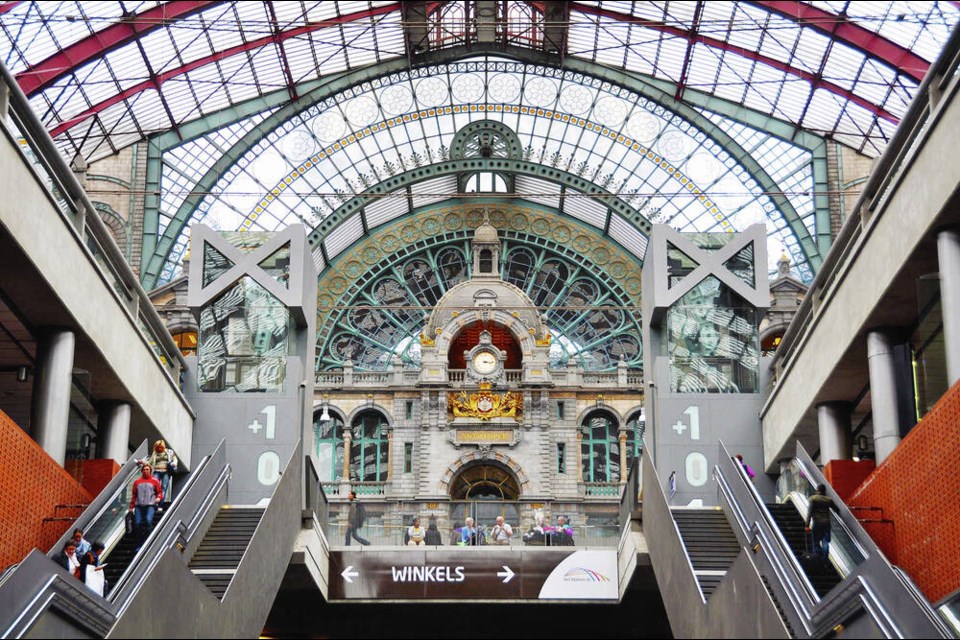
(822, 575)
(708, 583)
(172, 571)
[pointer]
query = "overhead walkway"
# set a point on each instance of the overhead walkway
(60, 267)
(859, 592)
(869, 277)
(215, 568)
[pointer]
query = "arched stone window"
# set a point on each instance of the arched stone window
(369, 447)
(329, 445)
(600, 447)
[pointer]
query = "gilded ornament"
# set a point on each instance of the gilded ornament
(485, 404)
(425, 341)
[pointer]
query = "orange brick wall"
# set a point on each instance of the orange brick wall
(846, 476)
(32, 484)
(918, 488)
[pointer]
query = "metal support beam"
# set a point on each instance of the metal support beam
(153, 263)
(415, 31)
(838, 27)
(128, 28)
(157, 81)
(556, 28)
(749, 54)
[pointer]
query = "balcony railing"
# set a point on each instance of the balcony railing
(602, 489)
(79, 213)
(348, 377)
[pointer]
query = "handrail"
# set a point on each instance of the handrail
(873, 585)
(659, 496)
(904, 143)
(87, 218)
(104, 499)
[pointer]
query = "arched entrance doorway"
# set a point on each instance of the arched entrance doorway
(484, 490)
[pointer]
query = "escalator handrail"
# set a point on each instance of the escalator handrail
(874, 556)
(96, 509)
(762, 517)
(811, 472)
(792, 580)
(178, 524)
(818, 617)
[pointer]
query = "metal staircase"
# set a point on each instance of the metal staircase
(216, 560)
(710, 542)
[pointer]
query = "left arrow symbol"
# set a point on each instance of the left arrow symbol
(349, 575)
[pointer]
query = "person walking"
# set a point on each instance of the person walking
(356, 515)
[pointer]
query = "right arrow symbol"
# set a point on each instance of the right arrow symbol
(349, 575)
(506, 574)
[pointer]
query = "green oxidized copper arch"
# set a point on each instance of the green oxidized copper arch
(157, 249)
(594, 332)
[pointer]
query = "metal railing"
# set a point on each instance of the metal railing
(80, 215)
(396, 377)
(386, 535)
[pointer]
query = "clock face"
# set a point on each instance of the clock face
(484, 362)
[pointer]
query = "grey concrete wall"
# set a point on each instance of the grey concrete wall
(31, 218)
(242, 420)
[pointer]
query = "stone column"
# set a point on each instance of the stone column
(113, 426)
(347, 440)
(50, 408)
(883, 392)
(948, 250)
(389, 454)
(833, 419)
(579, 456)
(623, 456)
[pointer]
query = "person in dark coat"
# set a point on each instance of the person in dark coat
(433, 537)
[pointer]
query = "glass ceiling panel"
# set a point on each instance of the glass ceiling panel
(657, 162)
(234, 51)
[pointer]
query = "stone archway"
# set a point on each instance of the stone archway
(484, 472)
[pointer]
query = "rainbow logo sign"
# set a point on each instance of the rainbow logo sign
(582, 574)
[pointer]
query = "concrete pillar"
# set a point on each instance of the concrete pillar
(883, 393)
(347, 440)
(113, 428)
(50, 408)
(836, 434)
(948, 253)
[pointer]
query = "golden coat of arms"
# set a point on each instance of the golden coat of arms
(485, 404)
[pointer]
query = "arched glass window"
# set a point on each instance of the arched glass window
(600, 448)
(368, 450)
(636, 425)
(328, 435)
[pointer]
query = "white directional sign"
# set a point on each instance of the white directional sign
(506, 574)
(349, 574)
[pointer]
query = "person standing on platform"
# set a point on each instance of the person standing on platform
(356, 515)
(416, 534)
(501, 532)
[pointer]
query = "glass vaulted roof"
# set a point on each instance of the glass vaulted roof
(706, 116)
(105, 74)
